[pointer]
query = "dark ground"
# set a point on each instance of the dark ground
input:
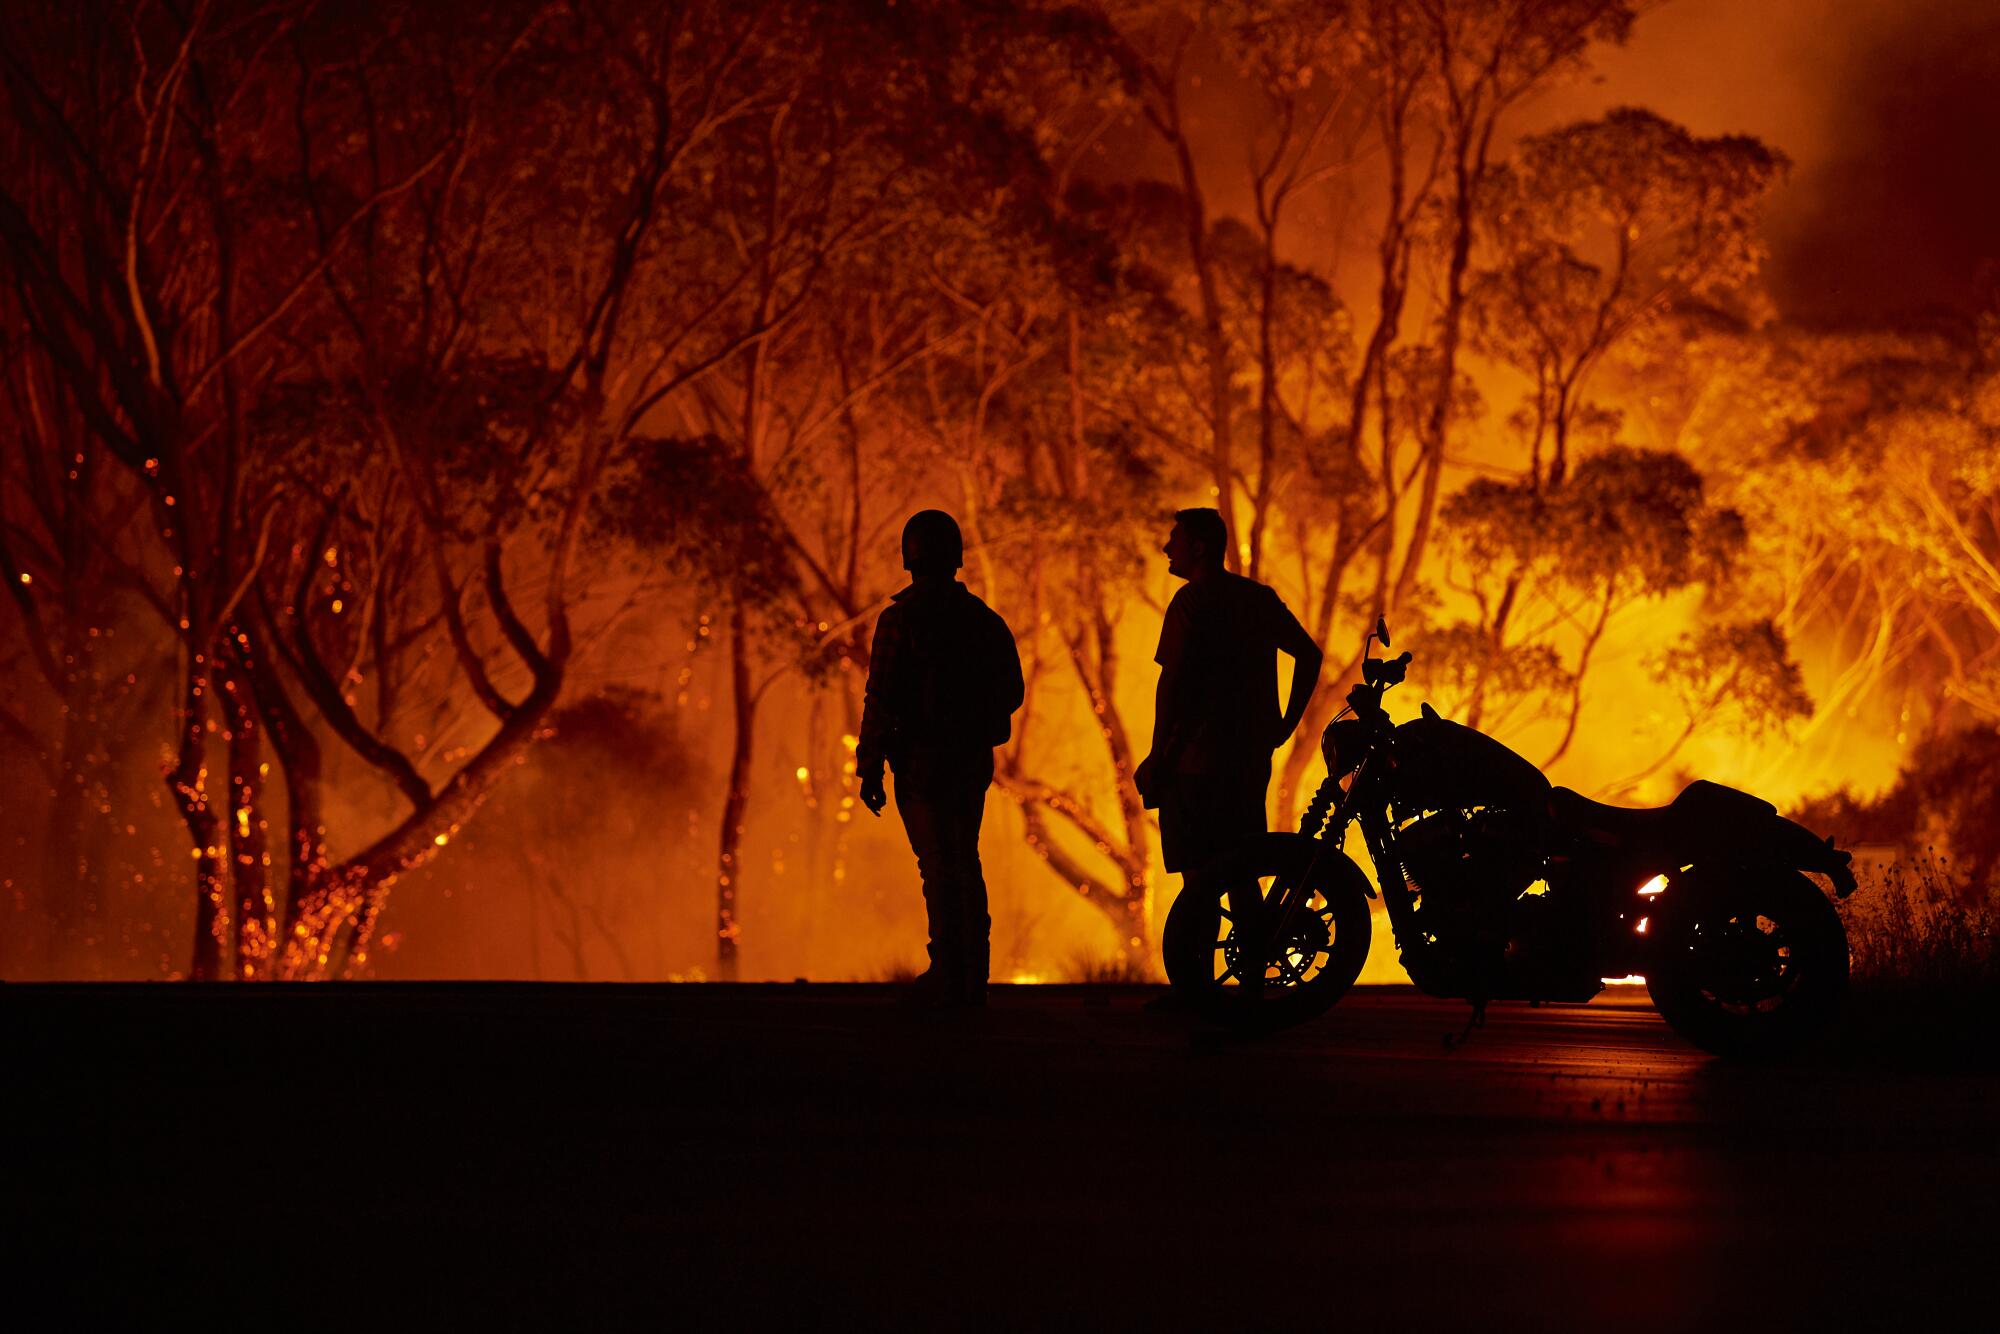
(560, 1157)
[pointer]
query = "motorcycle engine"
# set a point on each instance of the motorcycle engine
(1466, 868)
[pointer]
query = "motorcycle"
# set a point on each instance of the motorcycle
(1500, 886)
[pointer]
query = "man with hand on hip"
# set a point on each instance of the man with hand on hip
(1216, 720)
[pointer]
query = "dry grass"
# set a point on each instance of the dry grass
(1926, 968)
(1915, 925)
(1111, 970)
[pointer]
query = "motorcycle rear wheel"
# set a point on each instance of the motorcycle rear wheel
(1313, 969)
(1757, 972)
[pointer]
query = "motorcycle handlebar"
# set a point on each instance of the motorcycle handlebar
(1386, 671)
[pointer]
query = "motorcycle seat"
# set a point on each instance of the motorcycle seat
(1612, 824)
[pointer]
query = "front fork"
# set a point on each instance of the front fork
(1329, 808)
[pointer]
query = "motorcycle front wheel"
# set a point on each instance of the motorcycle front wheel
(1310, 970)
(1757, 971)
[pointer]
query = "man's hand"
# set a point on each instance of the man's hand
(873, 796)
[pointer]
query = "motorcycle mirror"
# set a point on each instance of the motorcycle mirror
(1382, 630)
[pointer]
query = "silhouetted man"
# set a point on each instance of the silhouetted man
(1216, 720)
(944, 680)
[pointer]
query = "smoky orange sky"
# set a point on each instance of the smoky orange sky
(1889, 110)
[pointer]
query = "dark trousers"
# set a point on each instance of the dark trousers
(941, 806)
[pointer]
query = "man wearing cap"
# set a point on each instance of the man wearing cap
(944, 680)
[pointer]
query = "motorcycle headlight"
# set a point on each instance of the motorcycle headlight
(1342, 745)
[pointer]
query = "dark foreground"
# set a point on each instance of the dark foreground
(461, 1157)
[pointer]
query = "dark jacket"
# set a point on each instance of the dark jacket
(944, 679)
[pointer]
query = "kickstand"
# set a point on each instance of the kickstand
(1477, 1020)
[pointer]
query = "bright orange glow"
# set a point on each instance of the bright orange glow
(1657, 885)
(1629, 980)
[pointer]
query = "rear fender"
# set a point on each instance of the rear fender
(1743, 839)
(1787, 848)
(1803, 850)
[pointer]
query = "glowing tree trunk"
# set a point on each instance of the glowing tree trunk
(743, 705)
(255, 910)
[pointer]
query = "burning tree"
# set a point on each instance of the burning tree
(351, 326)
(1442, 77)
(1597, 231)
(1862, 461)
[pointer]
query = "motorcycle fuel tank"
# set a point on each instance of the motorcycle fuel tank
(1442, 765)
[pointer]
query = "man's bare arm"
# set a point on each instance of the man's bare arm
(1306, 663)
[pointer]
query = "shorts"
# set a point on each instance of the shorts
(1203, 815)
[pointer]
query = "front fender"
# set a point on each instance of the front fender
(1188, 937)
(1332, 871)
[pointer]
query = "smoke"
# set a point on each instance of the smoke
(1887, 110)
(1896, 211)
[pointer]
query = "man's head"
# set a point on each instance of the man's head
(1197, 544)
(932, 544)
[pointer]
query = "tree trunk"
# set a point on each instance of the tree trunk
(1267, 398)
(1128, 915)
(256, 914)
(1214, 342)
(728, 875)
(1136, 859)
(188, 782)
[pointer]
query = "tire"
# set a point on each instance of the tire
(1198, 941)
(1755, 971)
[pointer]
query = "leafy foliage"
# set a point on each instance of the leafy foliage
(694, 504)
(1739, 676)
(1461, 659)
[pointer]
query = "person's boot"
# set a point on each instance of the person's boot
(932, 990)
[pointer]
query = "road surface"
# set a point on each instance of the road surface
(700, 1157)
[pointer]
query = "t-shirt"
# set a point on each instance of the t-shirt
(1223, 634)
